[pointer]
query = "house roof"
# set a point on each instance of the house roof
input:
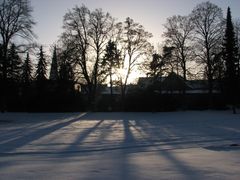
(175, 82)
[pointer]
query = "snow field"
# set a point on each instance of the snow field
(176, 145)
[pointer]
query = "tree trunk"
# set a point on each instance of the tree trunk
(4, 78)
(5, 58)
(111, 89)
(184, 76)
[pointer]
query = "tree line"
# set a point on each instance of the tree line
(95, 49)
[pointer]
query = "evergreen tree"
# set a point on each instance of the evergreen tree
(1, 62)
(41, 67)
(66, 72)
(66, 78)
(16, 23)
(26, 82)
(110, 61)
(41, 83)
(54, 66)
(230, 53)
(27, 70)
(14, 64)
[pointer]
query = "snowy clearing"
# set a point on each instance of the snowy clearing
(176, 145)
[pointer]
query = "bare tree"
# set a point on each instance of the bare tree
(208, 21)
(15, 21)
(101, 25)
(75, 40)
(179, 35)
(136, 46)
(85, 37)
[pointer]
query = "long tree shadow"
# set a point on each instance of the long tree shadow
(129, 139)
(192, 134)
(118, 152)
(126, 168)
(9, 135)
(137, 134)
(75, 146)
(184, 169)
(21, 141)
(105, 137)
(118, 157)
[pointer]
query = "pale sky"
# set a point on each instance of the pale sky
(151, 14)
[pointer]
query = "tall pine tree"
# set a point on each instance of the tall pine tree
(41, 74)
(14, 64)
(1, 62)
(66, 78)
(54, 66)
(230, 53)
(66, 72)
(110, 61)
(41, 77)
(27, 70)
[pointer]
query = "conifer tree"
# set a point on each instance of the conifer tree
(54, 66)
(1, 62)
(27, 70)
(230, 53)
(16, 22)
(66, 77)
(41, 67)
(110, 61)
(66, 72)
(14, 64)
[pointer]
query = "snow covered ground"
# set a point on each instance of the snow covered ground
(176, 145)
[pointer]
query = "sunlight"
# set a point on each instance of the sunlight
(132, 79)
(135, 72)
(134, 76)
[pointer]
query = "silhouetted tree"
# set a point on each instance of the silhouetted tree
(161, 64)
(167, 56)
(156, 65)
(110, 61)
(41, 67)
(41, 82)
(136, 46)
(208, 22)
(66, 77)
(66, 71)
(237, 33)
(101, 25)
(14, 64)
(1, 62)
(86, 35)
(54, 66)
(27, 71)
(230, 54)
(26, 86)
(15, 21)
(179, 35)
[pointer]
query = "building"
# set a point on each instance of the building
(175, 84)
